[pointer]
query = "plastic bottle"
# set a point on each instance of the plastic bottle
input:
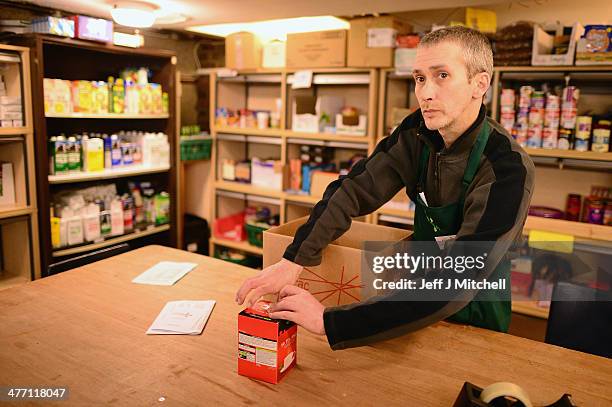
(91, 222)
(95, 154)
(107, 151)
(61, 155)
(115, 151)
(128, 213)
(117, 218)
(74, 155)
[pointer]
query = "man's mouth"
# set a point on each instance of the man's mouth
(430, 111)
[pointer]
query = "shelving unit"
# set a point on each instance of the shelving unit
(107, 116)
(257, 90)
(19, 222)
(107, 174)
(152, 230)
(96, 62)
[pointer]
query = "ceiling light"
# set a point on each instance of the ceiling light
(134, 14)
(275, 29)
(162, 18)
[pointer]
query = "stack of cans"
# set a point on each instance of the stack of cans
(550, 133)
(569, 102)
(507, 116)
(536, 120)
(522, 118)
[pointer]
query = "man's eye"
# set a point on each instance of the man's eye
(443, 75)
(419, 79)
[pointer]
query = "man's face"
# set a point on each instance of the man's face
(442, 86)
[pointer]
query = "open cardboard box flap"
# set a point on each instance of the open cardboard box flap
(337, 280)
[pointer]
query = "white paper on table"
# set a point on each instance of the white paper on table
(182, 318)
(164, 273)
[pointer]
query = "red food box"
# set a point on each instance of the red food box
(267, 348)
(407, 41)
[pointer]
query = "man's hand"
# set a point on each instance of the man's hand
(299, 306)
(269, 281)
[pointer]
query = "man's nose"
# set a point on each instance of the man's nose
(427, 92)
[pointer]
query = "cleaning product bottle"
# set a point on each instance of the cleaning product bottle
(115, 151)
(108, 146)
(117, 221)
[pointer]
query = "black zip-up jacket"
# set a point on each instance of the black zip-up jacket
(495, 209)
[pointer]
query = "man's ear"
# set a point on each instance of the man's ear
(483, 81)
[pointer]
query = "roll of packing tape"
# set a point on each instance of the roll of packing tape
(504, 389)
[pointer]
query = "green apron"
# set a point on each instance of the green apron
(430, 222)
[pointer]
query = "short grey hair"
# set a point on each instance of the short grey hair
(476, 47)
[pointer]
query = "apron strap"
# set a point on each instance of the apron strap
(422, 174)
(474, 159)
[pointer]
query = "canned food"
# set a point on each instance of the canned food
(550, 137)
(595, 211)
(566, 139)
(601, 136)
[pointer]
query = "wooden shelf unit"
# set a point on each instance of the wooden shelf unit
(256, 89)
(152, 230)
(19, 222)
(96, 62)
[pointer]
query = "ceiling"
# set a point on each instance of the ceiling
(234, 11)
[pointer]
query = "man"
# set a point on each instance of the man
(466, 175)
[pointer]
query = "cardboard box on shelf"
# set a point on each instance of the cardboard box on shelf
(337, 280)
(404, 60)
(358, 129)
(6, 123)
(321, 49)
(10, 100)
(267, 348)
(595, 47)
(242, 51)
(544, 45)
(11, 116)
(313, 114)
(7, 184)
(274, 54)
(371, 41)
(319, 180)
(267, 173)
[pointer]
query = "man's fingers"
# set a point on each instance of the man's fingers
(290, 290)
(244, 289)
(288, 315)
(258, 292)
(286, 304)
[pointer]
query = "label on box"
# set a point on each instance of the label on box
(302, 80)
(381, 37)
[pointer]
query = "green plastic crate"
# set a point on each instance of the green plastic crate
(248, 261)
(195, 148)
(255, 234)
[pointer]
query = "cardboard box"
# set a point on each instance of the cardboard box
(358, 129)
(404, 60)
(337, 280)
(267, 348)
(309, 112)
(543, 45)
(242, 51)
(267, 173)
(321, 49)
(320, 180)
(93, 29)
(10, 100)
(371, 41)
(7, 184)
(274, 54)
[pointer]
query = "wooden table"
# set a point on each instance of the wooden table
(85, 329)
